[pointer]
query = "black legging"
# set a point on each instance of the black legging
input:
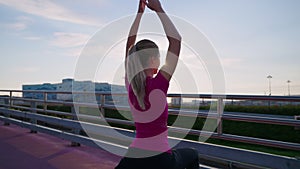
(185, 158)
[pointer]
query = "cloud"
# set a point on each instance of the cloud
(49, 10)
(32, 38)
(69, 40)
(72, 43)
(18, 26)
(22, 22)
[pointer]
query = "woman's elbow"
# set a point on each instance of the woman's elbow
(175, 41)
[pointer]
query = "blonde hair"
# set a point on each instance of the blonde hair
(137, 62)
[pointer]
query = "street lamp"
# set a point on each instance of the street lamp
(270, 77)
(288, 82)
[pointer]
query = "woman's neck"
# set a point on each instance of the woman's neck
(149, 72)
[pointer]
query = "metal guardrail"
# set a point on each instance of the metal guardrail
(30, 116)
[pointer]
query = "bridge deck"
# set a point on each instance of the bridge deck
(21, 149)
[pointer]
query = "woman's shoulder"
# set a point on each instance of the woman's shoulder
(161, 78)
(159, 82)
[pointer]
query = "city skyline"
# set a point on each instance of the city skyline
(89, 81)
(42, 40)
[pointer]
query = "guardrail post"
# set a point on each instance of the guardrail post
(10, 99)
(75, 130)
(33, 110)
(9, 102)
(297, 118)
(6, 102)
(102, 110)
(45, 101)
(220, 109)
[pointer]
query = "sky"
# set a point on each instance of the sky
(42, 41)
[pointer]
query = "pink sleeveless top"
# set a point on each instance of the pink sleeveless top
(151, 123)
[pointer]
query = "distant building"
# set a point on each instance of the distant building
(70, 85)
(34, 95)
(198, 102)
(176, 101)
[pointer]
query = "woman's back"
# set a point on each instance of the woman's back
(151, 123)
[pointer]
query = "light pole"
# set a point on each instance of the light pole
(270, 77)
(288, 82)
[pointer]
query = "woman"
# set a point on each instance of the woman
(147, 98)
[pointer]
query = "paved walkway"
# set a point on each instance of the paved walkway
(21, 149)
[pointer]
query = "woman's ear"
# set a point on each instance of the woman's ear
(151, 61)
(154, 62)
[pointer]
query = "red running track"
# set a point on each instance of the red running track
(21, 149)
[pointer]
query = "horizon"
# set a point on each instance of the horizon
(42, 41)
(99, 82)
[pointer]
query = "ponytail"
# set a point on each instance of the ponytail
(137, 62)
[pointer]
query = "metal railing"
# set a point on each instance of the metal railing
(35, 114)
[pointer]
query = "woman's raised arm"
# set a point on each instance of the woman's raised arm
(135, 26)
(173, 36)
